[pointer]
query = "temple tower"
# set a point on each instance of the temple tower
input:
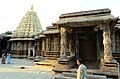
(23, 38)
(29, 26)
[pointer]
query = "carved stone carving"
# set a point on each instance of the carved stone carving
(107, 46)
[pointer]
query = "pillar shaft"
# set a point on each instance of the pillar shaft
(63, 42)
(107, 44)
(47, 43)
(43, 44)
(113, 41)
(77, 46)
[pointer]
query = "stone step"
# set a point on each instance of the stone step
(111, 65)
(46, 62)
(73, 76)
(60, 76)
(51, 58)
(96, 77)
(43, 63)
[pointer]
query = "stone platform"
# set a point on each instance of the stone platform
(46, 62)
(91, 72)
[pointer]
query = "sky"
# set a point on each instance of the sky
(48, 11)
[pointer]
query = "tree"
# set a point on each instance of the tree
(8, 33)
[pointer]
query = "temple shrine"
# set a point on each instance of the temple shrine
(88, 35)
(23, 38)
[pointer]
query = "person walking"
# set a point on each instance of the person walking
(8, 57)
(3, 58)
(81, 72)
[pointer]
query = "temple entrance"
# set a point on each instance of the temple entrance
(87, 48)
(86, 45)
(31, 52)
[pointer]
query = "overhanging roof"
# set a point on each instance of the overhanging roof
(42, 36)
(86, 20)
(51, 31)
(21, 39)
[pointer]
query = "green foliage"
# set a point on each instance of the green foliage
(8, 33)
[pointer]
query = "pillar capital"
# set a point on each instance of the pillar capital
(63, 29)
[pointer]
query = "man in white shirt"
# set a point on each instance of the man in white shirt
(81, 72)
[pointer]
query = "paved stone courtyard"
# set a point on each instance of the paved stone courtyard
(31, 71)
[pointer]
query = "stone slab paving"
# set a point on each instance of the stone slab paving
(17, 75)
(66, 75)
(31, 71)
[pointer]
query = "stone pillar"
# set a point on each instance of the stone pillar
(8, 44)
(37, 45)
(77, 46)
(63, 42)
(28, 52)
(109, 64)
(107, 44)
(43, 44)
(117, 42)
(33, 52)
(98, 47)
(56, 43)
(64, 62)
(12, 46)
(71, 46)
(113, 40)
(47, 43)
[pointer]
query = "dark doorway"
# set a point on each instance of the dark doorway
(31, 53)
(87, 48)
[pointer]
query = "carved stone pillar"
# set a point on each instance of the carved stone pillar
(64, 62)
(71, 46)
(63, 42)
(107, 44)
(109, 64)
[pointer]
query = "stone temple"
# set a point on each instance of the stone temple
(23, 38)
(91, 35)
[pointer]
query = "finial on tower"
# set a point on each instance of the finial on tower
(32, 7)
